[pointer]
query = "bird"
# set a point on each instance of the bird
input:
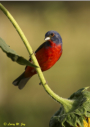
(47, 55)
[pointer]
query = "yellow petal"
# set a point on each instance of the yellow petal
(88, 122)
(85, 123)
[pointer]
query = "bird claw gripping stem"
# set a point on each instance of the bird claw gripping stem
(41, 83)
(75, 114)
(32, 54)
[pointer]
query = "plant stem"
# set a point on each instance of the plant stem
(40, 74)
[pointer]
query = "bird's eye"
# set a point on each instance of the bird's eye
(52, 34)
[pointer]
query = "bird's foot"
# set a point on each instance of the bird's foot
(41, 83)
(32, 54)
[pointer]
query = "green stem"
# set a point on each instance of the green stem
(40, 74)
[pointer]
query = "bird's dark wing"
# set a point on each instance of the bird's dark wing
(41, 46)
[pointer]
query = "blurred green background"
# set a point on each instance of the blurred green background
(32, 105)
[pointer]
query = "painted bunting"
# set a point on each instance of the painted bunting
(47, 55)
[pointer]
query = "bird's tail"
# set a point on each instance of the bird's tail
(21, 81)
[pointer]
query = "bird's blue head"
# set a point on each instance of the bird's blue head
(53, 36)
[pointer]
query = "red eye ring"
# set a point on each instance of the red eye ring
(52, 34)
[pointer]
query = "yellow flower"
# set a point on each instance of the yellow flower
(86, 124)
(74, 111)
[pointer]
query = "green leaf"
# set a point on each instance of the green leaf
(74, 113)
(13, 55)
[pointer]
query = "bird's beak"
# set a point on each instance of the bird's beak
(47, 38)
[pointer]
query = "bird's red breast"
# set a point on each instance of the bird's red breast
(47, 56)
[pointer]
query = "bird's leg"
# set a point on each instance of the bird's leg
(41, 83)
(32, 54)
